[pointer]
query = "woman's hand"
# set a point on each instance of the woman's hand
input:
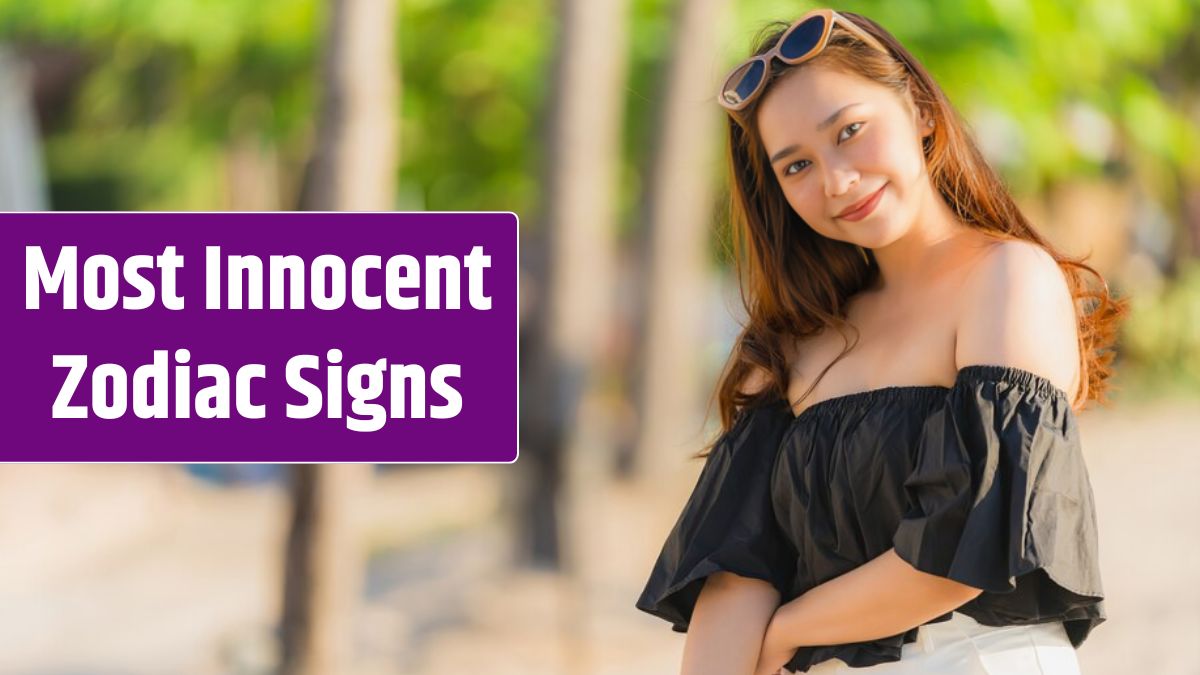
(775, 652)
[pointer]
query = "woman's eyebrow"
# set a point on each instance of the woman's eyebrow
(834, 117)
(829, 121)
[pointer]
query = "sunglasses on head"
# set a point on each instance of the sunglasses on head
(803, 40)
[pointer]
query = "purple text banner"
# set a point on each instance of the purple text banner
(259, 337)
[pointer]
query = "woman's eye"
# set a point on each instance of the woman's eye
(795, 167)
(852, 128)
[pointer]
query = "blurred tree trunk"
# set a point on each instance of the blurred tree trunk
(677, 225)
(323, 568)
(572, 261)
(1191, 218)
(357, 152)
(353, 169)
(1179, 73)
(563, 421)
(251, 175)
(22, 181)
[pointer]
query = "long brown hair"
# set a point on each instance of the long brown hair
(795, 282)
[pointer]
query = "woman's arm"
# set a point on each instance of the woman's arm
(729, 621)
(884, 597)
(728, 624)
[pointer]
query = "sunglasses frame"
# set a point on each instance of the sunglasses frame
(830, 16)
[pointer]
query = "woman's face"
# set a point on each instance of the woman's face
(837, 140)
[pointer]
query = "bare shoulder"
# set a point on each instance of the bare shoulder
(1017, 311)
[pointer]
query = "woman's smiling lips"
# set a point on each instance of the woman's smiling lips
(863, 208)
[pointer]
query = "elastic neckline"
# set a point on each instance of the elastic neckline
(868, 396)
(973, 372)
(1010, 375)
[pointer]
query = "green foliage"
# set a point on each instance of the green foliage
(1162, 335)
(169, 85)
(173, 84)
(475, 79)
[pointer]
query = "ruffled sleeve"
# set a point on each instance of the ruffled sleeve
(999, 499)
(728, 523)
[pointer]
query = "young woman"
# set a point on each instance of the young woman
(898, 486)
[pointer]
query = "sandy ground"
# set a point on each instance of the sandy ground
(125, 570)
(1144, 464)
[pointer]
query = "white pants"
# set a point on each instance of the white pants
(962, 646)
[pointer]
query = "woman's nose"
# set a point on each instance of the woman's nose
(839, 181)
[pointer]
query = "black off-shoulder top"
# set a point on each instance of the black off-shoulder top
(982, 482)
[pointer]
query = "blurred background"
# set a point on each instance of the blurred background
(594, 122)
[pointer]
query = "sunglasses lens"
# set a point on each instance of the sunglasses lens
(803, 39)
(742, 83)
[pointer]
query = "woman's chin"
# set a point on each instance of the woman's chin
(872, 233)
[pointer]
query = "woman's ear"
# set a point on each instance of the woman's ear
(923, 116)
(926, 123)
